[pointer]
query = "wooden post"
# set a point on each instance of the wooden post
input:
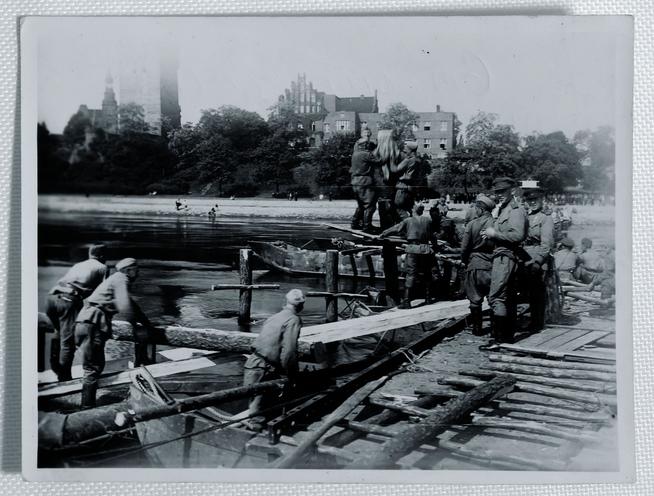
(331, 281)
(390, 271)
(245, 295)
(371, 269)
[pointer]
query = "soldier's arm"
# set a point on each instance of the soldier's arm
(396, 229)
(466, 245)
(288, 353)
(546, 240)
(517, 227)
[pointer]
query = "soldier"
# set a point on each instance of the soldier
(93, 325)
(404, 193)
(566, 260)
(419, 259)
(591, 265)
(507, 234)
(477, 254)
(65, 301)
(362, 171)
(274, 353)
(539, 245)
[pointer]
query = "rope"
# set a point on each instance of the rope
(412, 358)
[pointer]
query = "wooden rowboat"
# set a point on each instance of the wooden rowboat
(308, 261)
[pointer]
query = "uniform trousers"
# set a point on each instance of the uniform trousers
(62, 311)
(502, 286)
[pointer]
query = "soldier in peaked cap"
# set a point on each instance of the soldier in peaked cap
(362, 172)
(274, 353)
(477, 254)
(539, 245)
(93, 325)
(64, 303)
(507, 234)
(405, 188)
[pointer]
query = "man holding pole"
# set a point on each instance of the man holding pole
(274, 353)
(362, 180)
(93, 325)
(508, 233)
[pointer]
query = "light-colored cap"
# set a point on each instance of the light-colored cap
(125, 263)
(485, 201)
(411, 145)
(295, 297)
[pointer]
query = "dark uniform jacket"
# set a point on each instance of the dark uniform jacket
(362, 168)
(416, 229)
(540, 236)
(511, 228)
(407, 169)
(477, 252)
(277, 342)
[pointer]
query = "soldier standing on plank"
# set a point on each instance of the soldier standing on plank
(477, 254)
(507, 234)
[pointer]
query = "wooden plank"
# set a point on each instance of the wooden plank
(558, 341)
(578, 355)
(557, 364)
(544, 335)
(583, 340)
(393, 319)
(157, 370)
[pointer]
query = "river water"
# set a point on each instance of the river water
(181, 297)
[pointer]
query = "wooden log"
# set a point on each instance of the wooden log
(590, 299)
(594, 399)
(344, 409)
(534, 428)
(572, 384)
(371, 268)
(245, 295)
(201, 339)
(588, 356)
(413, 436)
(400, 407)
(390, 271)
(610, 369)
(353, 265)
(331, 284)
(513, 406)
(88, 424)
(219, 287)
(553, 372)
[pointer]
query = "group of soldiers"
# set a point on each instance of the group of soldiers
(81, 307)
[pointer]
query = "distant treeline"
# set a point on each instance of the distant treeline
(230, 151)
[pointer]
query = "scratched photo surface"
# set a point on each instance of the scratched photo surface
(370, 248)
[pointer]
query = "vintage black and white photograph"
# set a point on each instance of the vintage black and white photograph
(385, 246)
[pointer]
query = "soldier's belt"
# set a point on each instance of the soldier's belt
(418, 249)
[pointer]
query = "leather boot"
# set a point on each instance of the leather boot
(88, 395)
(492, 344)
(476, 320)
(504, 329)
(406, 302)
(367, 222)
(64, 374)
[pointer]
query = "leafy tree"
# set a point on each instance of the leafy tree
(480, 126)
(332, 161)
(51, 166)
(75, 130)
(211, 150)
(401, 119)
(131, 119)
(552, 160)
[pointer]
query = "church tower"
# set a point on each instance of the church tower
(109, 120)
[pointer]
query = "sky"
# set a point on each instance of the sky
(538, 74)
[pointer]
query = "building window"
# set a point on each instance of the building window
(427, 144)
(313, 127)
(443, 125)
(343, 125)
(443, 143)
(326, 126)
(426, 126)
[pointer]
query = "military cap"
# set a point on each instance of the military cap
(125, 263)
(411, 145)
(295, 297)
(485, 201)
(567, 242)
(502, 183)
(530, 193)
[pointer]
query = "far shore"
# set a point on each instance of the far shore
(258, 207)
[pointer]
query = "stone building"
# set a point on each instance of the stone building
(105, 118)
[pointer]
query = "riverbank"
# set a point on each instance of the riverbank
(302, 209)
